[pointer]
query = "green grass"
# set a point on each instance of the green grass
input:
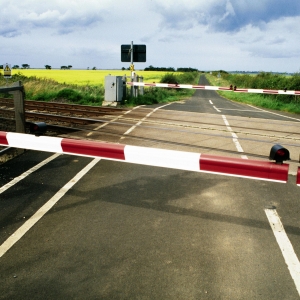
(73, 87)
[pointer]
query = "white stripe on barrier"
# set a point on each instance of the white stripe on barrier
(41, 143)
(162, 158)
(215, 88)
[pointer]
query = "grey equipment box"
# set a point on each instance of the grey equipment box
(113, 88)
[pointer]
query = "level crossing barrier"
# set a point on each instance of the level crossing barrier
(215, 88)
(197, 162)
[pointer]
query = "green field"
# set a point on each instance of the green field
(85, 77)
(87, 86)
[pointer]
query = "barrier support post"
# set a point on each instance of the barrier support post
(19, 110)
(19, 107)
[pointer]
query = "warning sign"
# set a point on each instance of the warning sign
(7, 71)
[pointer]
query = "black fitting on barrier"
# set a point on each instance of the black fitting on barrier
(38, 128)
(279, 154)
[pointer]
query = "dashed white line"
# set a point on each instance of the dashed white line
(25, 174)
(17, 235)
(210, 102)
(285, 246)
(234, 137)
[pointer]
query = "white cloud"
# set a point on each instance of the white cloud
(215, 34)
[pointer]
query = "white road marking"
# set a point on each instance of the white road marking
(25, 174)
(285, 246)
(214, 106)
(113, 120)
(141, 121)
(17, 235)
(216, 109)
(274, 113)
(282, 239)
(234, 137)
(251, 110)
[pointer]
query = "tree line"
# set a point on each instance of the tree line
(170, 69)
(150, 68)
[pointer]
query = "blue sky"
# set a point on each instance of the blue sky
(245, 35)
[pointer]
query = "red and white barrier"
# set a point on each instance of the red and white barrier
(298, 177)
(197, 162)
(215, 88)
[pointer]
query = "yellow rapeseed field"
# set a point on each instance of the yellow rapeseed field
(86, 77)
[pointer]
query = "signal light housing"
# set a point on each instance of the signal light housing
(38, 128)
(279, 154)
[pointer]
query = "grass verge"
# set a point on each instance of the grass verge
(43, 89)
(154, 95)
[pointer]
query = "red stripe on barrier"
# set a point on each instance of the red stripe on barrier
(198, 86)
(241, 90)
(224, 89)
(98, 149)
(298, 177)
(150, 84)
(270, 91)
(3, 139)
(244, 167)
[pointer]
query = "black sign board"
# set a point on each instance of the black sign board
(139, 53)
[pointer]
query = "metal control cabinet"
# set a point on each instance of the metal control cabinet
(113, 88)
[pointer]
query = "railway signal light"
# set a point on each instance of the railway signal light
(38, 128)
(279, 154)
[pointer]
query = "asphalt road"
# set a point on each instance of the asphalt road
(126, 231)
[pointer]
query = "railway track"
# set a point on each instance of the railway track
(111, 123)
(62, 115)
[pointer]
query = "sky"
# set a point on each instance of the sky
(230, 35)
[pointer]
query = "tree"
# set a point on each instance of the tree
(69, 67)
(63, 67)
(48, 67)
(94, 68)
(16, 67)
(25, 66)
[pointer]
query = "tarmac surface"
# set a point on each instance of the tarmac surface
(79, 228)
